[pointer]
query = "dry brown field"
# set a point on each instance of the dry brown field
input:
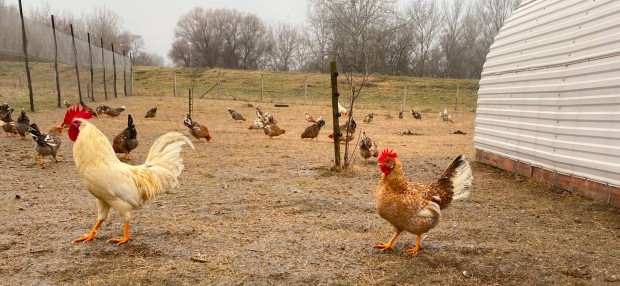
(257, 211)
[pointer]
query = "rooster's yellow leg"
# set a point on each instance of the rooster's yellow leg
(41, 161)
(125, 237)
(390, 244)
(91, 234)
(415, 249)
(126, 156)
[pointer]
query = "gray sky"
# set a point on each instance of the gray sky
(155, 20)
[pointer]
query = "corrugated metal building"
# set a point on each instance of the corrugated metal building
(549, 98)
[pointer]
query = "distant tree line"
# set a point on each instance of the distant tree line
(101, 23)
(427, 38)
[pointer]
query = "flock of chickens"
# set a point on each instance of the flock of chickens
(408, 206)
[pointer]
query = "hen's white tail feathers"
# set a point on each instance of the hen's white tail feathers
(432, 210)
(459, 174)
(163, 165)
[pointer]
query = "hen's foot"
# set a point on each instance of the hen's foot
(384, 246)
(415, 249)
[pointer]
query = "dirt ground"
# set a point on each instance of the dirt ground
(257, 211)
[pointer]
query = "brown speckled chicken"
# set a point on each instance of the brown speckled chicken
(151, 113)
(47, 144)
(369, 117)
(195, 129)
(416, 207)
(8, 124)
(367, 148)
(114, 112)
(313, 130)
(346, 131)
(273, 130)
(126, 140)
(400, 114)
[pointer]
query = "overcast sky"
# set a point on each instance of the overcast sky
(155, 20)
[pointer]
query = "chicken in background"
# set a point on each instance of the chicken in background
(259, 112)
(151, 113)
(388, 116)
(309, 117)
(272, 130)
(195, 129)
(4, 109)
(369, 117)
(114, 112)
(445, 116)
(8, 124)
(346, 131)
(116, 184)
(236, 115)
(400, 114)
(342, 110)
(368, 148)
(47, 144)
(23, 124)
(66, 103)
(416, 114)
(416, 207)
(257, 124)
(126, 140)
(313, 130)
(101, 109)
(88, 108)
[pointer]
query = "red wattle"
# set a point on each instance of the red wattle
(73, 132)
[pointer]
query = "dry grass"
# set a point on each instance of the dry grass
(268, 211)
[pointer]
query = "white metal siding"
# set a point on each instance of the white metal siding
(550, 89)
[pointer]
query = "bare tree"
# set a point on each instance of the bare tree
(284, 41)
(180, 53)
(133, 44)
(456, 13)
(148, 59)
(106, 24)
(424, 24)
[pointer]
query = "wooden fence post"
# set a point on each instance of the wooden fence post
(124, 73)
(175, 85)
(130, 74)
(306, 91)
(25, 46)
(191, 102)
(404, 97)
(92, 74)
(335, 95)
(57, 76)
(77, 71)
(114, 67)
(456, 99)
(105, 88)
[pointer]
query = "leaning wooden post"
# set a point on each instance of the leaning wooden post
(262, 86)
(130, 74)
(105, 88)
(57, 75)
(124, 72)
(335, 94)
(114, 67)
(92, 73)
(404, 97)
(25, 46)
(306, 91)
(77, 71)
(191, 102)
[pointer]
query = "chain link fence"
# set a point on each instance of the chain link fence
(111, 72)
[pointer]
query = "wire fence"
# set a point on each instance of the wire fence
(102, 73)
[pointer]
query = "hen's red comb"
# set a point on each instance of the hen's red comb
(385, 154)
(75, 112)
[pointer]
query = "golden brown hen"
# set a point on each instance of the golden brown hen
(195, 129)
(416, 207)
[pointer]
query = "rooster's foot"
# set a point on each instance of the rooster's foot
(119, 241)
(86, 238)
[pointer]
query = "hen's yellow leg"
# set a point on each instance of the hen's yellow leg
(125, 237)
(390, 244)
(41, 160)
(126, 157)
(415, 249)
(91, 234)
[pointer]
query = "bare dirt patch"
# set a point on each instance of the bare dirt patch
(254, 210)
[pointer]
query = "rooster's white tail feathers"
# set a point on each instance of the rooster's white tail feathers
(459, 173)
(163, 165)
